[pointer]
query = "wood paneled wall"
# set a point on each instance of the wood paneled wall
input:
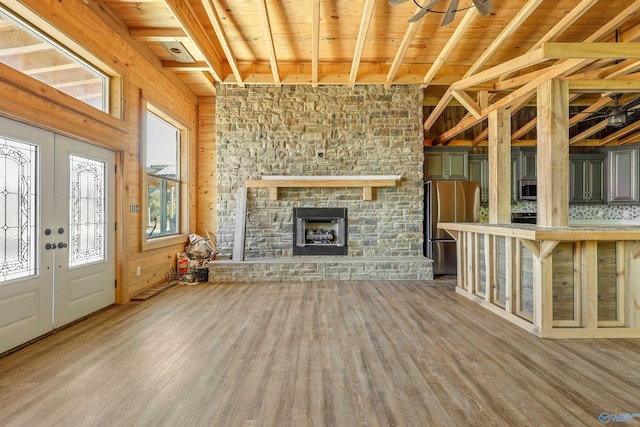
(23, 99)
(206, 162)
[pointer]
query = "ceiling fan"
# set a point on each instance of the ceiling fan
(483, 6)
(617, 115)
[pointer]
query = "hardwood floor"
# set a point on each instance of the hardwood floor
(313, 354)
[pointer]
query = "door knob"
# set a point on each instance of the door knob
(62, 245)
(50, 246)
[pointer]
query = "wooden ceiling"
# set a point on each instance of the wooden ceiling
(477, 62)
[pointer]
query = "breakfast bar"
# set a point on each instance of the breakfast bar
(555, 282)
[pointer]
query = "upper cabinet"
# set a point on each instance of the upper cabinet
(586, 178)
(526, 163)
(479, 171)
(623, 175)
(447, 163)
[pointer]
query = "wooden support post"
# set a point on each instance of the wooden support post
(509, 291)
(471, 247)
(241, 217)
(553, 154)
(590, 284)
(500, 167)
(490, 260)
(545, 270)
(633, 288)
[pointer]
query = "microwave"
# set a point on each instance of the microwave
(527, 189)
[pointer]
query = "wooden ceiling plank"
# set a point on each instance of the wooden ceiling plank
(266, 30)
(621, 133)
(568, 20)
(315, 41)
(614, 23)
(193, 28)
(531, 56)
(623, 69)
(157, 34)
(587, 133)
(515, 23)
(631, 139)
(598, 105)
(630, 35)
(367, 13)
(214, 19)
(451, 44)
(404, 46)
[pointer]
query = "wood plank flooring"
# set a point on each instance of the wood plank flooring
(313, 354)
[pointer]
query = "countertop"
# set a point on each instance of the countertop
(534, 232)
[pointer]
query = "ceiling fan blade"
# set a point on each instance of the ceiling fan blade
(484, 6)
(396, 2)
(450, 13)
(424, 11)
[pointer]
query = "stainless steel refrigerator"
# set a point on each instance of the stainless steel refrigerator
(447, 201)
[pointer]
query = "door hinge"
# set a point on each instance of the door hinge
(115, 284)
(115, 168)
(115, 226)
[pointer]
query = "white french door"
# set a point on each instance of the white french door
(56, 231)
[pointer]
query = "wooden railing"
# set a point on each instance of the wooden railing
(573, 282)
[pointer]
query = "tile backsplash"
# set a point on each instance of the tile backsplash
(580, 212)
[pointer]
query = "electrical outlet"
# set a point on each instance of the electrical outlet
(138, 270)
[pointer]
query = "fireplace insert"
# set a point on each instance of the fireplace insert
(320, 231)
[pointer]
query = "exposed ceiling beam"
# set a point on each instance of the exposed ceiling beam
(609, 85)
(181, 66)
(482, 60)
(555, 50)
(266, 31)
(451, 44)
(515, 23)
(534, 55)
(621, 133)
(194, 29)
(404, 46)
(587, 133)
(214, 19)
(157, 34)
(367, 13)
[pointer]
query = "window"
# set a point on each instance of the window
(165, 183)
(31, 52)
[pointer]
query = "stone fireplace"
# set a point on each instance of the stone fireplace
(320, 231)
(323, 131)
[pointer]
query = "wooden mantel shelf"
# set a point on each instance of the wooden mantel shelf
(367, 182)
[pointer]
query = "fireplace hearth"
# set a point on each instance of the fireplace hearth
(320, 231)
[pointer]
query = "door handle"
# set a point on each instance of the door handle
(62, 245)
(50, 246)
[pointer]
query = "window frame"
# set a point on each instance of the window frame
(112, 85)
(183, 223)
